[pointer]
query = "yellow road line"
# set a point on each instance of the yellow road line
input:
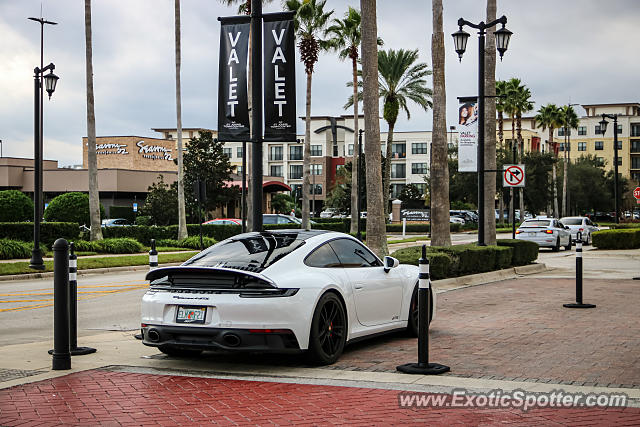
(10, 293)
(26, 300)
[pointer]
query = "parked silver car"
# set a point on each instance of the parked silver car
(546, 232)
(580, 224)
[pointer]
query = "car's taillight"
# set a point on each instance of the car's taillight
(580, 229)
(548, 231)
(518, 231)
(143, 325)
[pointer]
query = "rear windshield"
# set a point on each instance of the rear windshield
(536, 223)
(572, 221)
(253, 252)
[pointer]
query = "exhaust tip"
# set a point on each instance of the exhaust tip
(232, 340)
(153, 335)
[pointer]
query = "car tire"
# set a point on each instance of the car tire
(412, 325)
(568, 247)
(173, 351)
(328, 330)
(556, 248)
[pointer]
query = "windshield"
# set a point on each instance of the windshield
(536, 223)
(572, 221)
(253, 252)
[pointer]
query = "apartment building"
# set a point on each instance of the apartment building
(333, 143)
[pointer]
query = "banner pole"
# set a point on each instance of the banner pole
(256, 113)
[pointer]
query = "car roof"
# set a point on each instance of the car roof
(302, 234)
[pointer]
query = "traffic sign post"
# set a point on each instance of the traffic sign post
(513, 176)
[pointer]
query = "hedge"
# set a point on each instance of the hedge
(524, 252)
(15, 206)
(144, 233)
(461, 260)
(49, 231)
(110, 246)
(617, 239)
(419, 228)
(71, 207)
(14, 249)
(625, 225)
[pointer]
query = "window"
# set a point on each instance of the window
(635, 162)
(323, 257)
(597, 129)
(635, 129)
(635, 176)
(619, 130)
(350, 150)
(619, 161)
(239, 170)
(275, 152)
(635, 145)
(316, 150)
(399, 151)
(295, 171)
(561, 131)
(599, 145)
(396, 189)
(398, 170)
(295, 152)
(600, 161)
(227, 152)
(419, 148)
(419, 168)
(317, 188)
(353, 255)
(582, 130)
(296, 191)
(239, 152)
(335, 150)
(422, 187)
(582, 146)
(619, 145)
(276, 170)
(563, 146)
(316, 169)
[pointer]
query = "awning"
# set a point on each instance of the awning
(267, 186)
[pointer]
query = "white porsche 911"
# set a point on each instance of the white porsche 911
(282, 290)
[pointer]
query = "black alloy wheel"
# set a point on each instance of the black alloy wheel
(556, 248)
(328, 330)
(414, 312)
(568, 247)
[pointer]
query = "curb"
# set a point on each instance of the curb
(444, 285)
(49, 274)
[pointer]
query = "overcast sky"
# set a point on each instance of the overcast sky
(579, 51)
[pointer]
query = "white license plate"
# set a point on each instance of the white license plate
(188, 314)
(532, 234)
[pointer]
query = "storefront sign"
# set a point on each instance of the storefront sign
(111, 149)
(154, 152)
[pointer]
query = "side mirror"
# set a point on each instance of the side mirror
(389, 263)
(566, 227)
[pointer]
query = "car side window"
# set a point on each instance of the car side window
(268, 219)
(283, 220)
(323, 257)
(352, 254)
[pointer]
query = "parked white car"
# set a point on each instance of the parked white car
(546, 232)
(580, 224)
(284, 291)
(456, 220)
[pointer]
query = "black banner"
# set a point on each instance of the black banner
(233, 111)
(279, 80)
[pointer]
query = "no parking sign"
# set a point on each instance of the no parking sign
(513, 176)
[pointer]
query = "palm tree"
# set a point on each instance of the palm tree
(244, 6)
(92, 161)
(548, 117)
(400, 81)
(522, 104)
(490, 130)
(310, 21)
(501, 94)
(439, 165)
(569, 120)
(182, 216)
(376, 224)
(345, 37)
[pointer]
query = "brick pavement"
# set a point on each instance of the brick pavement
(515, 330)
(103, 397)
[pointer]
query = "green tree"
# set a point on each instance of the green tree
(310, 22)
(463, 186)
(244, 6)
(282, 203)
(568, 120)
(521, 104)
(15, 206)
(161, 204)
(412, 197)
(538, 165)
(70, 207)
(548, 117)
(205, 160)
(401, 80)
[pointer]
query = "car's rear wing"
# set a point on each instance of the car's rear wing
(208, 277)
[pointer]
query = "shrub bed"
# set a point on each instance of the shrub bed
(13, 249)
(110, 246)
(439, 262)
(49, 231)
(625, 225)
(628, 238)
(524, 252)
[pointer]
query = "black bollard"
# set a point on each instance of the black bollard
(579, 303)
(423, 366)
(61, 353)
(153, 256)
(73, 305)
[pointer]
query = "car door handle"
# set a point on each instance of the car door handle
(358, 287)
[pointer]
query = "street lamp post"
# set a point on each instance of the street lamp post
(359, 172)
(603, 130)
(460, 38)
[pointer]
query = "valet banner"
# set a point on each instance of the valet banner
(233, 111)
(279, 80)
(468, 137)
